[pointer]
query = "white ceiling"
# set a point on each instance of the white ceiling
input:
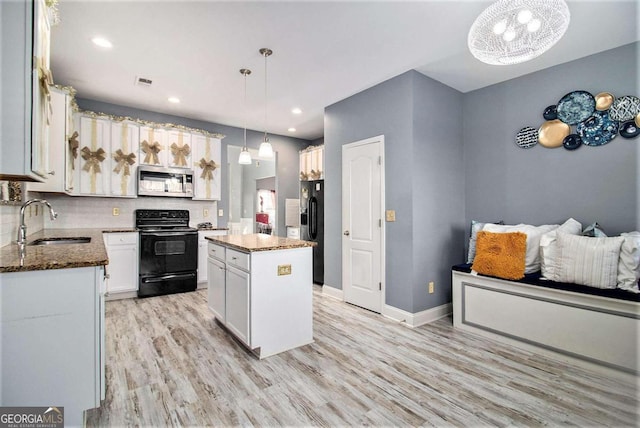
(323, 52)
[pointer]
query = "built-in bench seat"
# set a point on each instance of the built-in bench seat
(600, 327)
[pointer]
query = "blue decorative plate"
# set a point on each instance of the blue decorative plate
(527, 137)
(598, 129)
(572, 142)
(575, 107)
(629, 129)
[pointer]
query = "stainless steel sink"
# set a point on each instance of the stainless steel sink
(62, 240)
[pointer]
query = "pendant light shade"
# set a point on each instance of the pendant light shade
(245, 156)
(265, 151)
(515, 31)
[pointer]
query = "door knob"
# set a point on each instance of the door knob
(346, 233)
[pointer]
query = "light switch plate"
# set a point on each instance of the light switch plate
(205, 213)
(115, 211)
(220, 212)
(391, 215)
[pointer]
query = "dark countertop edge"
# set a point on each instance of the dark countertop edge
(204, 229)
(307, 244)
(71, 265)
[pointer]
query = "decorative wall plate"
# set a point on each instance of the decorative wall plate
(598, 129)
(572, 142)
(638, 119)
(625, 108)
(552, 133)
(527, 137)
(629, 129)
(575, 107)
(550, 113)
(604, 100)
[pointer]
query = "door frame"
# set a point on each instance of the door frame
(383, 256)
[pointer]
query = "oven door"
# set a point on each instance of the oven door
(168, 252)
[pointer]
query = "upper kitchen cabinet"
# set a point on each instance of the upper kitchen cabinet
(312, 163)
(125, 143)
(153, 146)
(93, 166)
(60, 156)
(206, 165)
(178, 149)
(25, 78)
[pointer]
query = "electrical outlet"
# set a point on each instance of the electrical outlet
(205, 213)
(220, 212)
(115, 211)
(432, 287)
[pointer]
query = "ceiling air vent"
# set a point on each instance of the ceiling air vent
(143, 81)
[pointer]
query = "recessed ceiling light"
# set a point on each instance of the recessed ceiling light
(174, 100)
(102, 42)
(296, 110)
(292, 129)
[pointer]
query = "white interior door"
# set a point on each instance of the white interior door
(362, 238)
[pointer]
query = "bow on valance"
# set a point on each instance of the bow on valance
(207, 169)
(93, 159)
(46, 78)
(151, 152)
(180, 154)
(74, 144)
(123, 162)
(304, 176)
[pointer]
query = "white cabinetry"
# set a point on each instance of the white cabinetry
(217, 282)
(24, 79)
(60, 129)
(206, 165)
(93, 165)
(265, 298)
(178, 149)
(312, 163)
(122, 270)
(202, 254)
(52, 335)
(153, 146)
(123, 154)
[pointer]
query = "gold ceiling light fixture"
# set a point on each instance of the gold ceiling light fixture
(514, 31)
(245, 156)
(265, 151)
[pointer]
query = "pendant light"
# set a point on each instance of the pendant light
(265, 151)
(245, 156)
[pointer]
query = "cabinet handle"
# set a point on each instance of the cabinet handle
(234, 258)
(51, 173)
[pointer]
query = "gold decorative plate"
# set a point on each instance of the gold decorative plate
(638, 119)
(604, 101)
(552, 133)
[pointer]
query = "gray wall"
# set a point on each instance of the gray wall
(539, 185)
(286, 147)
(413, 140)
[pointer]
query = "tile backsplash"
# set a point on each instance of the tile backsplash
(10, 222)
(80, 212)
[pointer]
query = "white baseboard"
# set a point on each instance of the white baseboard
(419, 318)
(332, 292)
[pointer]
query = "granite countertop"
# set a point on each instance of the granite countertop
(259, 242)
(212, 228)
(62, 256)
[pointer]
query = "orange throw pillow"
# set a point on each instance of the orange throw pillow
(501, 254)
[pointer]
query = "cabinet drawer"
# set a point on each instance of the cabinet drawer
(238, 259)
(121, 238)
(216, 251)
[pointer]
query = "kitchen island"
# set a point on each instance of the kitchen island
(261, 290)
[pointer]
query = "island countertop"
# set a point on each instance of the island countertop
(62, 256)
(259, 242)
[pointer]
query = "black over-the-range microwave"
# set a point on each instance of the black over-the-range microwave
(162, 181)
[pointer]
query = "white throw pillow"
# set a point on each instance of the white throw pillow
(588, 261)
(532, 259)
(549, 248)
(629, 263)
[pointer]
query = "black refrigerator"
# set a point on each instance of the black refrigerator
(312, 223)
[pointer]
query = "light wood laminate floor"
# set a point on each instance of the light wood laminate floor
(169, 363)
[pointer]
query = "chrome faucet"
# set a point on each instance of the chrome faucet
(22, 230)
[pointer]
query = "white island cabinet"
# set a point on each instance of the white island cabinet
(261, 290)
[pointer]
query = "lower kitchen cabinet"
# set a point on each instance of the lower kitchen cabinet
(202, 254)
(122, 270)
(264, 298)
(52, 335)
